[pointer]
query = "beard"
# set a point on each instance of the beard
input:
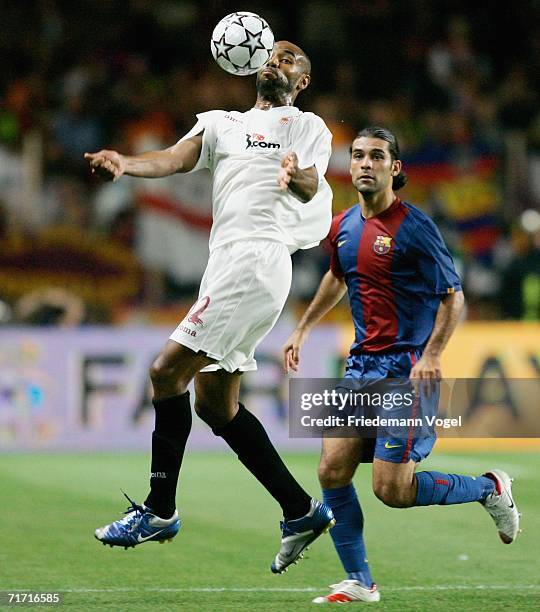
(269, 87)
(366, 188)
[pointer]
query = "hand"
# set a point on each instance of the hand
(426, 373)
(291, 351)
(109, 165)
(289, 166)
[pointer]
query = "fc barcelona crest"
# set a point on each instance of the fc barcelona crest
(382, 245)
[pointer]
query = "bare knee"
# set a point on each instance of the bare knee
(339, 459)
(167, 379)
(393, 494)
(216, 397)
(333, 474)
(216, 415)
(161, 373)
(394, 483)
(204, 411)
(174, 368)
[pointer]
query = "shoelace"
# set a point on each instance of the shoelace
(285, 529)
(342, 587)
(498, 513)
(498, 509)
(138, 510)
(133, 505)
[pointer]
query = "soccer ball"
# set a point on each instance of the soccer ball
(242, 43)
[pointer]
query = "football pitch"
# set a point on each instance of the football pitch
(422, 558)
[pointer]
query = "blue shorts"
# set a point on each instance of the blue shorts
(390, 365)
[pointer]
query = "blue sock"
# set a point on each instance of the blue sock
(445, 489)
(348, 532)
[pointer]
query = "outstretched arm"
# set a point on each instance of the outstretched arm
(301, 183)
(429, 365)
(181, 157)
(329, 293)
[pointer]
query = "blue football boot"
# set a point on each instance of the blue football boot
(298, 534)
(138, 526)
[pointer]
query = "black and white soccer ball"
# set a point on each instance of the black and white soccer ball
(242, 43)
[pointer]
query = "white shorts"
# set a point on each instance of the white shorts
(242, 293)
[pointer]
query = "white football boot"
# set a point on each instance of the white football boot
(501, 506)
(349, 591)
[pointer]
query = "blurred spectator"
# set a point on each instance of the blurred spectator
(66, 202)
(131, 75)
(518, 100)
(75, 129)
(520, 289)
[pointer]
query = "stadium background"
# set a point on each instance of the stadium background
(93, 276)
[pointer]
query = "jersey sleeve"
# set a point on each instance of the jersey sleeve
(335, 265)
(312, 142)
(206, 123)
(434, 260)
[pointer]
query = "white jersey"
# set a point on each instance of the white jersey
(243, 152)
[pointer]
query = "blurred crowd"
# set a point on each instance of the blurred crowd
(456, 81)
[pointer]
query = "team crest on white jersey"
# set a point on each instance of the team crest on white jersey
(382, 245)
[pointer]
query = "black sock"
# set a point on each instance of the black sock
(249, 440)
(173, 424)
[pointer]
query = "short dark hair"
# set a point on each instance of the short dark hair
(374, 131)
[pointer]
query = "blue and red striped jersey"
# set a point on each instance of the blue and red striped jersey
(397, 268)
